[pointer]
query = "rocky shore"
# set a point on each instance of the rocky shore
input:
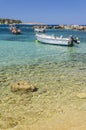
(41, 25)
(73, 27)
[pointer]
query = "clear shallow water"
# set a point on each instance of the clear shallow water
(22, 58)
(22, 49)
(20, 55)
(58, 72)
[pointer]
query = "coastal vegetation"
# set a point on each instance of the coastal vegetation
(9, 21)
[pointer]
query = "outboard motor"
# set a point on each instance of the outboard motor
(76, 40)
(71, 40)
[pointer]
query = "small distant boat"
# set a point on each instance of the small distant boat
(14, 29)
(39, 29)
(54, 40)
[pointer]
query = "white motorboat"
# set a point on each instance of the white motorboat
(54, 40)
(39, 29)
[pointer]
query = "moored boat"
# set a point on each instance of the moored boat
(14, 29)
(54, 40)
(39, 29)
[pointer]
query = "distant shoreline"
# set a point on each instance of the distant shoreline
(53, 26)
(32, 23)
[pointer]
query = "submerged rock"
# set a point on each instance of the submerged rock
(23, 86)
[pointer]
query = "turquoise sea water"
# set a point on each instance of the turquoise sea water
(22, 49)
(59, 73)
(21, 54)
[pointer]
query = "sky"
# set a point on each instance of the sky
(45, 11)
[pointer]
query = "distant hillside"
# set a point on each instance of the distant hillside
(9, 21)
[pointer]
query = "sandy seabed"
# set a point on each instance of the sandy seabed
(57, 104)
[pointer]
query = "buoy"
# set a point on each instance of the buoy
(36, 41)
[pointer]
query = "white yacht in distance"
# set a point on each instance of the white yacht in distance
(39, 29)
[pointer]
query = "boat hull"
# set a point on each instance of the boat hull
(53, 41)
